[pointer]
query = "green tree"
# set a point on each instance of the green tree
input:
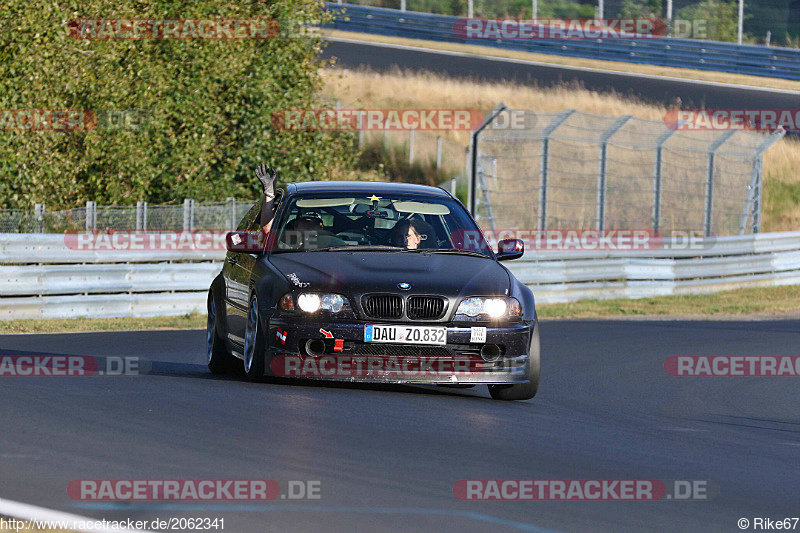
(640, 9)
(209, 104)
(721, 19)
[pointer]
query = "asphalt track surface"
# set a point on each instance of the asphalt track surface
(387, 457)
(657, 89)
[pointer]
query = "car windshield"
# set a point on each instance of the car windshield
(378, 223)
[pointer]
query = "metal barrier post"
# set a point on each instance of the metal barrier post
(544, 164)
(141, 216)
(232, 220)
(658, 176)
(39, 211)
(710, 180)
(188, 214)
(91, 215)
(601, 177)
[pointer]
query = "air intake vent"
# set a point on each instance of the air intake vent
(383, 306)
(425, 307)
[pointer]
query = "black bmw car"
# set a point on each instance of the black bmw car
(377, 282)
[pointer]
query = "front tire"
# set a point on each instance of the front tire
(523, 391)
(254, 345)
(217, 356)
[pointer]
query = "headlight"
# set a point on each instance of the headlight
(490, 307)
(311, 302)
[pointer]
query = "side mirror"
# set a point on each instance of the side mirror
(510, 249)
(250, 242)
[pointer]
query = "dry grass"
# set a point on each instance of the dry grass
(404, 89)
(617, 66)
(67, 325)
(766, 302)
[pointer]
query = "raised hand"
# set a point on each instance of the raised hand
(267, 176)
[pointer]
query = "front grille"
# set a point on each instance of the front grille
(401, 350)
(425, 307)
(383, 306)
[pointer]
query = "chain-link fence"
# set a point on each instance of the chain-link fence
(189, 216)
(574, 170)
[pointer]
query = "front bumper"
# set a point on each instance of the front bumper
(347, 357)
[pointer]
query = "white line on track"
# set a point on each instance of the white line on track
(24, 511)
(565, 67)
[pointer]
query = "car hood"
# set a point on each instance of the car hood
(365, 272)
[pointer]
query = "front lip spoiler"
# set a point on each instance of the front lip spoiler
(518, 375)
(513, 367)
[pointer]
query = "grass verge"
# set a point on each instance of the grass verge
(612, 66)
(68, 325)
(760, 301)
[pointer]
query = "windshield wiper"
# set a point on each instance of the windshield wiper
(456, 251)
(358, 248)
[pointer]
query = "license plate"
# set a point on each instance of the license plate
(406, 334)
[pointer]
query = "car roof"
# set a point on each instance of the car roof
(365, 187)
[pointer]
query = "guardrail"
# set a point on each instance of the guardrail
(41, 277)
(699, 266)
(756, 60)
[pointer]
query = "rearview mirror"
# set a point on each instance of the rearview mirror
(245, 241)
(510, 249)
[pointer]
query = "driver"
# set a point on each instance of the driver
(407, 234)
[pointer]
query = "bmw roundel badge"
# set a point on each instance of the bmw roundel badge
(404, 286)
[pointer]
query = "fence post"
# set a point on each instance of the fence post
(754, 190)
(38, 211)
(601, 172)
(544, 164)
(232, 205)
(468, 171)
(657, 177)
(91, 215)
(188, 214)
(411, 147)
(438, 152)
(473, 155)
(141, 216)
(709, 211)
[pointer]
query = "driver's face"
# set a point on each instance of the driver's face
(412, 239)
